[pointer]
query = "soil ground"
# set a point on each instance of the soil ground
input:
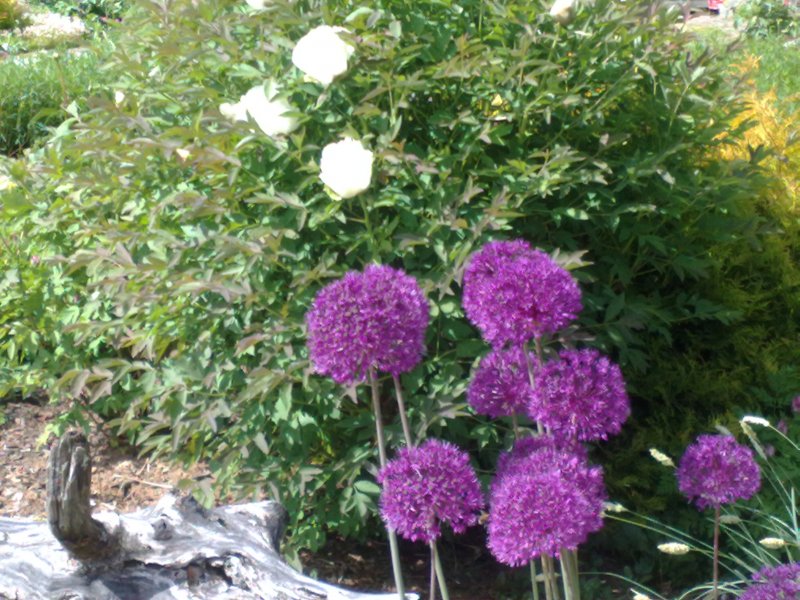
(124, 482)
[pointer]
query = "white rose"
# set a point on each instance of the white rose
(234, 112)
(562, 10)
(346, 167)
(322, 54)
(268, 110)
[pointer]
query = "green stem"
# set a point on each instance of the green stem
(439, 571)
(432, 590)
(531, 379)
(393, 545)
(534, 585)
(401, 406)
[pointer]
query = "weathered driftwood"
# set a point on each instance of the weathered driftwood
(176, 549)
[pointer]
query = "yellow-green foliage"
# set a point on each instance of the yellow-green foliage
(11, 11)
(777, 133)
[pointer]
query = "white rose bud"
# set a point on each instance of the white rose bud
(562, 11)
(346, 167)
(772, 543)
(322, 54)
(269, 111)
(674, 548)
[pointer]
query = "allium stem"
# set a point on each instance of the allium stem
(439, 572)
(432, 591)
(531, 378)
(394, 547)
(716, 552)
(401, 406)
(550, 577)
(534, 584)
(569, 574)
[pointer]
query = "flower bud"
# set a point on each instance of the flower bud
(674, 548)
(772, 543)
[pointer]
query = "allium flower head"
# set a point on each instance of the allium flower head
(513, 293)
(775, 583)
(429, 485)
(500, 386)
(545, 497)
(376, 318)
(581, 394)
(717, 470)
(796, 404)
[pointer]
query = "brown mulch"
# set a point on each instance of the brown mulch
(120, 480)
(124, 482)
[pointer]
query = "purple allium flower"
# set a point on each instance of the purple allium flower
(717, 470)
(775, 583)
(782, 427)
(513, 293)
(581, 394)
(545, 497)
(500, 386)
(796, 404)
(372, 319)
(428, 485)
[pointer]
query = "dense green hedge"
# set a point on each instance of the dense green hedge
(37, 88)
(162, 258)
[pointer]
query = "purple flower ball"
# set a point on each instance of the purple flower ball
(426, 486)
(796, 404)
(775, 583)
(581, 395)
(500, 386)
(376, 318)
(513, 293)
(545, 497)
(717, 470)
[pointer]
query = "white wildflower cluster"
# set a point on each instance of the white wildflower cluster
(50, 26)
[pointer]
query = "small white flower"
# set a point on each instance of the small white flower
(640, 596)
(730, 519)
(256, 4)
(346, 167)
(772, 543)
(6, 183)
(183, 153)
(674, 548)
(119, 97)
(322, 54)
(268, 110)
(755, 421)
(613, 507)
(234, 112)
(562, 11)
(662, 458)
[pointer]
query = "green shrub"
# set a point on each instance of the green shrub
(763, 18)
(11, 13)
(37, 89)
(182, 250)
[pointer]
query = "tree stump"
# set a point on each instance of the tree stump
(176, 549)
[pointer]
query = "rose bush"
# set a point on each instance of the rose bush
(178, 252)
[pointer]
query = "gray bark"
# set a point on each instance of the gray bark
(174, 550)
